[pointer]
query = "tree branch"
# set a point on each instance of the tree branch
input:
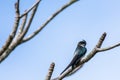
(48, 77)
(29, 22)
(17, 7)
(24, 20)
(13, 33)
(48, 20)
(12, 46)
(94, 51)
(14, 39)
(108, 48)
(34, 5)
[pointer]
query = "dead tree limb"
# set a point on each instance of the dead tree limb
(27, 11)
(48, 20)
(14, 39)
(18, 33)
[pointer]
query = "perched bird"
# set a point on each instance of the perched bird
(78, 54)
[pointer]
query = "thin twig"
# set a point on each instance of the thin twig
(47, 21)
(108, 48)
(29, 22)
(34, 5)
(24, 20)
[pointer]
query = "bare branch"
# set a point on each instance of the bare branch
(29, 22)
(14, 40)
(23, 24)
(10, 44)
(94, 51)
(101, 40)
(108, 48)
(48, 77)
(8, 51)
(34, 5)
(17, 7)
(48, 20)
(13, 33)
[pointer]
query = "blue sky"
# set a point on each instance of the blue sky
(86, 19)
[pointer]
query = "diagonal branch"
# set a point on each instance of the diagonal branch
(24, 20)
(48, 20)
(108, 48)
(48, 77)
(13, 33)
(29, 22)
(12, 46)
(34, 5)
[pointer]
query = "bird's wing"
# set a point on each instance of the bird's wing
(80, 53)
(71, 63)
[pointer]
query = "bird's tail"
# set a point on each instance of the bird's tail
(65, 69)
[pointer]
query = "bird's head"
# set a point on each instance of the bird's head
(82, 43)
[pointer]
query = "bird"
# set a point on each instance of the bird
(78, 54)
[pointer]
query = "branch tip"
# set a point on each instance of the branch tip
(53, 64)
(102, 38)
(48, 20)
(17, 8)
(105, 34)
(51, 69)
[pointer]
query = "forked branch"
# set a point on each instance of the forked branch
(34, 5)
(18, 33)
(15, 27)
(48, 20)
(15, 39)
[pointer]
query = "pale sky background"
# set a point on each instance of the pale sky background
(86, 19)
